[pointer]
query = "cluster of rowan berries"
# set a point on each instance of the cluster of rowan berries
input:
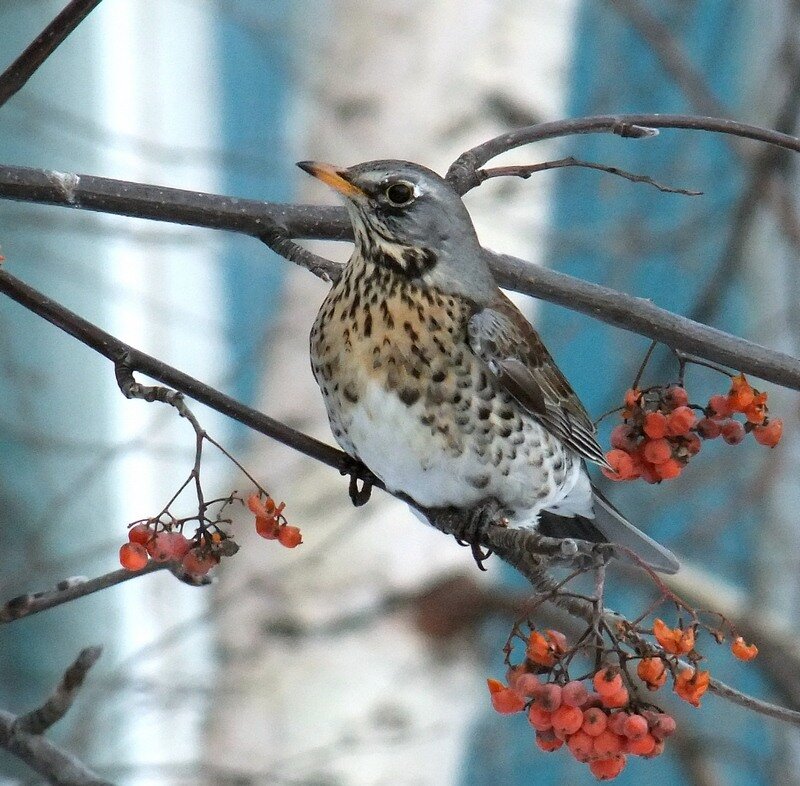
(196, 555)
(161, 542)
(662, 431)
(602, 721)
(271, 523)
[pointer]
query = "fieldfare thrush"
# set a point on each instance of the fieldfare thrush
(435, 381)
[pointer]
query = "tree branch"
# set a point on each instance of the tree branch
(22, 735)
(23, 68)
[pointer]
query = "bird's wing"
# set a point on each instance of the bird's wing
(501, 336)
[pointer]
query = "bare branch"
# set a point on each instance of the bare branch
(22, 735)
(23, 68)
(69, 589)
(525, 171)
(55, 708)
(463, 171)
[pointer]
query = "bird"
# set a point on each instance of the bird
(436, 382)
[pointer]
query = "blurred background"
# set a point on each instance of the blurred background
(360, 658)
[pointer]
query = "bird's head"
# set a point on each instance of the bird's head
(411, 220)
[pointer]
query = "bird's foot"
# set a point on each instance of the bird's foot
(358, 472)
(472, 530)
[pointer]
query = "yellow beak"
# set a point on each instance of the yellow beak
(332, 176)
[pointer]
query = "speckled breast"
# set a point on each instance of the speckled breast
(406, 396)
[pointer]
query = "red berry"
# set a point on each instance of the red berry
(607, 743)
(733, 432)
(708, 429)
(540, 719)
(635, 727)
(657, 451)
(616, 700)
(594, 721)
(622, 464)
(616, 723)
(198, 563)
(608, 768)
(641, 746)
(670, 469)
(662, 725)
(677, 396)
(574, 694)
(567, 720)
(289, 536)
(133, 556)
(581, 745)
(526, 684)
(607, 682)
(720, 407)
(692, 444)
(680, 420)
(655, 425)
(141, 533)
(623, 437)
(548, 741)
(769, 434)
(548, 697)
(267, 527)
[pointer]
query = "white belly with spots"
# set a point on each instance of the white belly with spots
(389, 438)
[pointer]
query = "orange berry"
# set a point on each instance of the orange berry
(548, 741)
(742, 650)
(574, 693)
(741, 395)
(669, 469)
(655, 425)
(720, 407)
(616, 723)
(289, 536)
(608, 768)
(607, 681)
(567, 720)
(526, 684)
(770, 433)
(732, 432)
(540, 719)
(657, 451)
(680, 420)
(504, 700)
(652, 672)
(594, 721)
(648, 472)
(756, 411)
(658, 749)
(677, 396)
(616, 700)
(634, 727)
(607, 743)
(133, 556)
(691, 684)
(674, 640)
(581, 745)
(256, 505)
(640, 746)
(632, 397)
(543, 649)
(622, 464)
(692, 444)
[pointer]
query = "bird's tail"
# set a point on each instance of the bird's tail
(610, 526)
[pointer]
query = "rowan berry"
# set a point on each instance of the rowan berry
(607, 743)
(634, 727)
(742, 650)
(548, 697)
(655, 425)
(623, 437)
(732, 432)
(720, 407)
(594, 721)
(567, 720)
(607, 681)
(574, 694)
(770, 433)
(616, 700)
(141, 533)
(657, 451)
(133, 556)
(289, 536)
(581, 745)
(198, 562)
(677, 396)
(540, 719)
(608, 768)
(652, 672)
(504, 700)
(674, 640)
(548, 741)
(680, 420)
(640, 746)
(708, 429)
(622, 465)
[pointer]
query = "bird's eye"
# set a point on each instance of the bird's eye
(400, 194)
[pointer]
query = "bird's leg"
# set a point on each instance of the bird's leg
(357, 471)
(471, 530)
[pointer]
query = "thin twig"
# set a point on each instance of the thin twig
(525, 171)
(23, 68)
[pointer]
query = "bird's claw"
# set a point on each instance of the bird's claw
(358, 471)
(473, 531)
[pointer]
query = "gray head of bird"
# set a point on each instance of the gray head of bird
(410, 220)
